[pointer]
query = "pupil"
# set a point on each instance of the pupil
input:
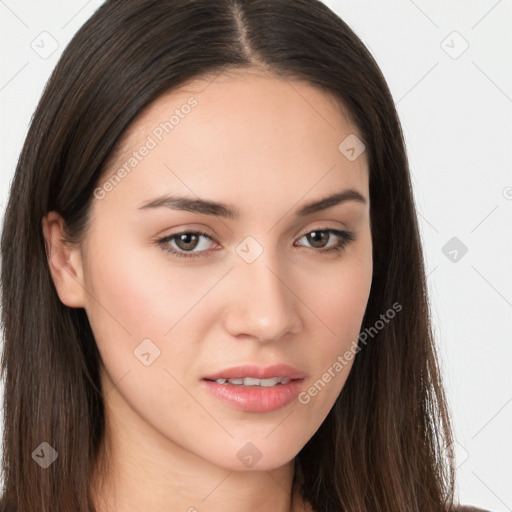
(187, 241)
(318, 238)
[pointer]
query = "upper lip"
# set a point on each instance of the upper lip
(257, 372)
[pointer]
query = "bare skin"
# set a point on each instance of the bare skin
(266, 147)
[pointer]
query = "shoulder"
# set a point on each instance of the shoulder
(468, 508)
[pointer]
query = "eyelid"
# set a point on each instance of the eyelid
(191, 254)
(340, 233)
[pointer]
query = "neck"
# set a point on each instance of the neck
(139, 469)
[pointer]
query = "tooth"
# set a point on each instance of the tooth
(269, 382)
(249, 381)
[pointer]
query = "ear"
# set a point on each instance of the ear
(65, 262)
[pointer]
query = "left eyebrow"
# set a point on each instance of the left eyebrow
(222, 210)
(333, 200)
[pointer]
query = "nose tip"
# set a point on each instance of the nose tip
(262, 305)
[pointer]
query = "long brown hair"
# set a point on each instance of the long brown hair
(385, 445)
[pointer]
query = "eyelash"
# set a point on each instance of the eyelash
(345, 238)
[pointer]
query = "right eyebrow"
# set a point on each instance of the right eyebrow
(193, 205)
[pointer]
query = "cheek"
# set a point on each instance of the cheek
(352, 302)
(138, 291)
(137, 295)
(337, 295)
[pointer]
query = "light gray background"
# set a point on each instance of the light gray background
(455, 105)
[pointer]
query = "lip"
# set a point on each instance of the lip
(257, 399)
(257, 372)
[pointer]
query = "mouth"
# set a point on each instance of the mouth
(253, 375)
(253, 382)
(256, 389)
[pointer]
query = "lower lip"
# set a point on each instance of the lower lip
(255, 398)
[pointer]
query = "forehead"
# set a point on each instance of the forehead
(241, 129)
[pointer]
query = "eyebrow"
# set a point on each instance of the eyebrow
(218, 209)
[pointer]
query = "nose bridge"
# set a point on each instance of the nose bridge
(263, 305)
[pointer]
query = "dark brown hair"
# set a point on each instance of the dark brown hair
(385, 445)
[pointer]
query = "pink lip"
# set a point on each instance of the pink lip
(257, 372)
(256, 398)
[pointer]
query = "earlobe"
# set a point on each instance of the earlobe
(64, 261)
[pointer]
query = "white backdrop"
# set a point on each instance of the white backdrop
(448, 65)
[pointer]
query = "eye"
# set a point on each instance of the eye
(191, 244)
(328, 240)
(180, 244)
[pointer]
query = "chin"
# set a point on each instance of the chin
(256, 455)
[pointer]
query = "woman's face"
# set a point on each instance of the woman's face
(207, 259)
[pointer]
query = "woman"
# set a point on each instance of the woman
(213, 286)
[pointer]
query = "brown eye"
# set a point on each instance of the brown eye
(318, 239)
(187, 241)
(188, 244)
(327, 240)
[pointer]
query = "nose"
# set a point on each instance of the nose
(262, 304)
